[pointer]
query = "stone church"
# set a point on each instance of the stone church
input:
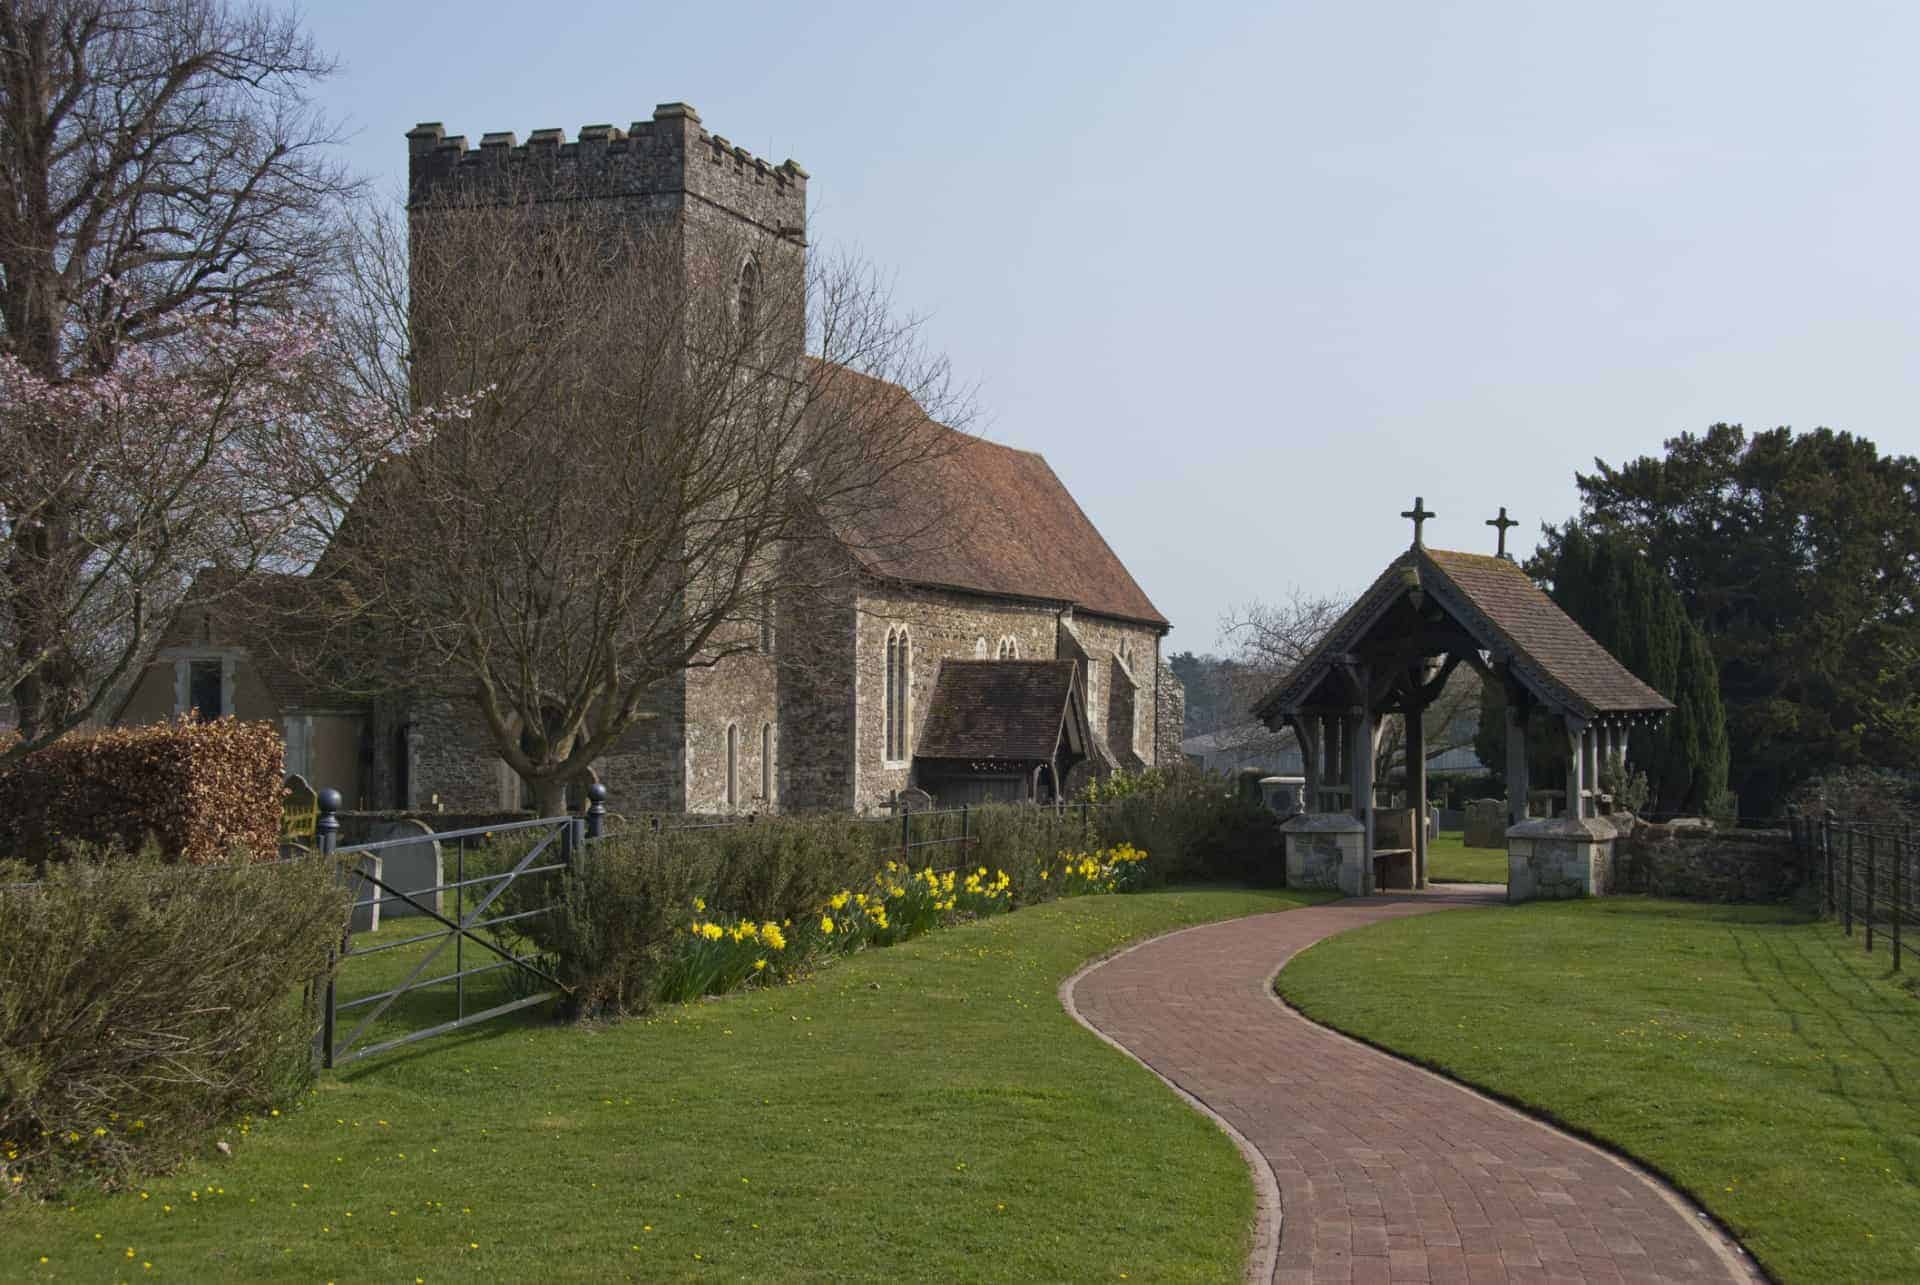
(1015, 662)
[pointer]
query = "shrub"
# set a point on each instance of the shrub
(142, 1003)
(200, 792)
(1194, 827)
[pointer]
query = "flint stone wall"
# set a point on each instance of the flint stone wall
(1689, 860)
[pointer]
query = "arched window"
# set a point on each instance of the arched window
(1009, 647)
(980, 649)
(747, 300)
(766, 762)
(898, 711)
(733, 766)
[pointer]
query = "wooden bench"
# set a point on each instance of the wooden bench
(1393, 869)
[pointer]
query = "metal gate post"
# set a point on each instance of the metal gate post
(1826, 857)
(1870, 890)
(1848, 910)
(327, 838)
(596, 810)
(1899, 899)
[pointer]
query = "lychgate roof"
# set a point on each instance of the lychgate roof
(998, 709)
(1505, 613)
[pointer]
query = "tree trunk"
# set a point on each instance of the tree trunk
(549, 796)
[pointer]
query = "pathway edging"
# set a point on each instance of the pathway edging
(1184, 1062)
(1267, 1213)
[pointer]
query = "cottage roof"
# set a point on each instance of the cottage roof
(987, 518)
(998, 709)
(271, 617)
(1504, 613)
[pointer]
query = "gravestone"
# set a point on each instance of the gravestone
(366, 896)
(1486, 823)
(413, 868)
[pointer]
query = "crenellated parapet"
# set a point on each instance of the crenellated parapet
(653, 164)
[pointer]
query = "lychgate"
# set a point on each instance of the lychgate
(1430, 611)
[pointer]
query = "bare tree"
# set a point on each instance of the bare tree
(1266, 640)
(1449, 722)
(164, 196)
(635, 448)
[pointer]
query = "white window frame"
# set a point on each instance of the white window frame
(183, 660)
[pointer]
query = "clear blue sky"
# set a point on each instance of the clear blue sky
(1253, 277)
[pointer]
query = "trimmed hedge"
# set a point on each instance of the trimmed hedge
(638, 888)
(144, 1003)
(196, 792)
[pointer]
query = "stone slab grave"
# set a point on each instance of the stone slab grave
(1486, 824)
(413, 868)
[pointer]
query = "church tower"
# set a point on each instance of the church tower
(742, 222)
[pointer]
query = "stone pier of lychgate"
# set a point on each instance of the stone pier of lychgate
(1429, 612)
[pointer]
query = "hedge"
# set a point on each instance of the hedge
(197, 792)
(143, 1003)
(620, 917)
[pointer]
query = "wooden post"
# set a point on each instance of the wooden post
(1417, 789)
(1362, 724)
(1309, 757)
(1576, 763)
(1517, 783)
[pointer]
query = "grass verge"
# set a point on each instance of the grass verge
(926, 1111)
(1450, 860)
(1752, 1055)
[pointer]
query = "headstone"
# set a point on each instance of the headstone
(413, 868)
(912, 800)
(1486, 823)
(366, 896)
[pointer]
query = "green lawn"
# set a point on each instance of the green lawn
(925, 1112)
(1450, 860)
(1755, 1057)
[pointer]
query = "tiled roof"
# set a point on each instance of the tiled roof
(1507, 614)
(997, 709)
(1538, 633)
(987, 518)
(268, 615)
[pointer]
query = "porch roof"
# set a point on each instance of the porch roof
(1013, 710)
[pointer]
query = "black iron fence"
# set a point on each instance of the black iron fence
(554, 844)
(1866, 872)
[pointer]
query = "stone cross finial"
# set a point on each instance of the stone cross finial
(1419, 513)
(1502, 523)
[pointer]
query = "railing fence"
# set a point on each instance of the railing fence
(1867, 873)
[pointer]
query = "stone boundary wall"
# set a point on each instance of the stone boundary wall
(1692, 860)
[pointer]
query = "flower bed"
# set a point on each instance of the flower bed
(719, 953)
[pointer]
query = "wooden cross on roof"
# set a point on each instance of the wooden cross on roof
(1419, 513)
(1502, 523)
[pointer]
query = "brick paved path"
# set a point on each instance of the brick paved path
(1383, 1171)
